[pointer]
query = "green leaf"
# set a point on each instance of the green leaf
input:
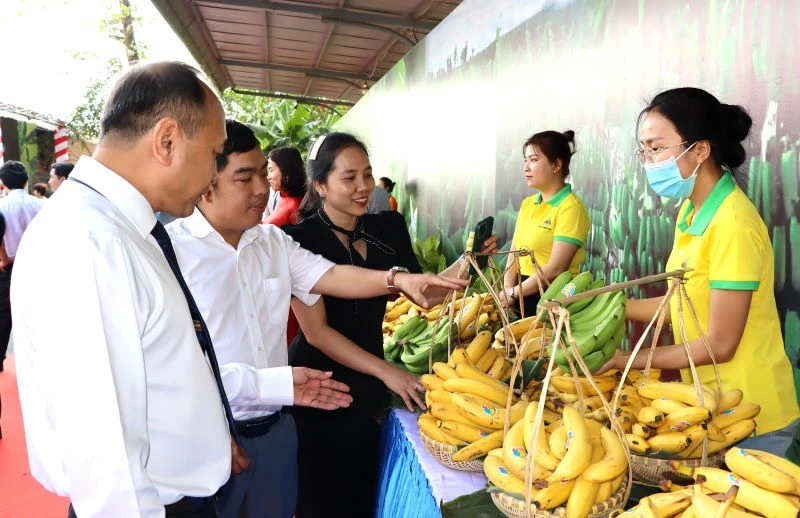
(474, 505)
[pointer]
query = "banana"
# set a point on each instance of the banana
(463, 431)
(752, 468)
(459, 357)
(683, 419)
(749, 496)
(470, 372)
(603, 492)
(555, 288)
(614, 462)
(579, 305)
(479, 345)
(398, 310)
(515, 455)
(696, 435)
(497, 366)
(555, 494)
(518, 328)
(667, 406)
(431, 381)
(480, 447)
(641, 430)
(568, 384)
(486, 414)
(733, 434)
(578, 454)
(714, 433)
(493, 393)
(468, 313)
(581, 498)
(486, 361)
(439, 396)
(448, 412)
(735, 414)
(501, 476)
(558, 442)
(671, 442)
(544, 456)
(637, 444)
(444, 371)
(679, 392)
(730, 399)
(668, 504)
(703, 505)
(650, 416)
(779, 463)
(432, 431)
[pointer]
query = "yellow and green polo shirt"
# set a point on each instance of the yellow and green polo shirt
(561, 218)
(726, 244)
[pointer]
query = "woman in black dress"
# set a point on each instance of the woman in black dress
(338, 450)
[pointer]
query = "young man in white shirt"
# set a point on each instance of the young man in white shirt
(19, 209)
(244, 276)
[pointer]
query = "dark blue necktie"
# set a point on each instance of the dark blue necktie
(203, 336)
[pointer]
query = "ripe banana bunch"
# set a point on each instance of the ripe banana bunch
(669, 419)
(585, 465)
(758, 484)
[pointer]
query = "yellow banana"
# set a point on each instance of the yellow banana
(737, 413)
(614, 462)
(730, 399)
(449, 412)
(581, 498)
(603, 492)
(497, 367)
(502, 477)
(733, 434)
(667, 406)
(398, 310)
(714, 433)
(637, 444)
(703, 505)
(679, 392)
(444, 371)
(668, 504)
(463, 431)
(650, 416)
(497, 452)
(579, 453)
(558, 442)
(749, 496)
(470, 372)
(485, 362)
(752, 468)
(458, 357)
(480, 447)
(641, 430)
(696, 434)
(479, 345)
(683, 419)
(493, 393)
(568, 384)
(468, 313)
(515, 455)
(439, 396)
(431, 381)
(590, 404)
(544, 456)
(786, 466)
(518, 328)
(670, 442)
(553, 426)
(486, 414)
(432, 431)
(555, 494)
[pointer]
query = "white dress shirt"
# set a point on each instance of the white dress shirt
(19, 208)
(120, 407)
(243, 295)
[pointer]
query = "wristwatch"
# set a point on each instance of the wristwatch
(390, 278)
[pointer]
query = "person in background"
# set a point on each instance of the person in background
(552, 224)
(691, 149)
(40, 191)
(387, 185)
(59, 172)
(344, 336)
(288, 178)
(19, 209)
(378, 201)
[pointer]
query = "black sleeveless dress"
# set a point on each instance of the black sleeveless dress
(338, 450)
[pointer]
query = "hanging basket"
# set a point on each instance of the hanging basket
(514, 507)
(443, 453)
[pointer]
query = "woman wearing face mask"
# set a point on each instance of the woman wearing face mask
(286, 176)
(338, 450)
(691, 147)
(552, 224)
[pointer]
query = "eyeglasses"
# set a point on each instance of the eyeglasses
(647, 155)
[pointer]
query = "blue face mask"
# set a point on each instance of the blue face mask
(665, 177)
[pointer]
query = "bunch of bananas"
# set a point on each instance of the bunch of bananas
(758, 484)
(597, 323)
(666, 417)
(578, 462)
(532, 346)
(415, 341)
(563, 392)
(467, 403)
(471, 313)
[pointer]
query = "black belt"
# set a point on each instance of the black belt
(257, 426)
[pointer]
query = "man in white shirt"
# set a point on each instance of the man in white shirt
(244, 276)
(19, 208)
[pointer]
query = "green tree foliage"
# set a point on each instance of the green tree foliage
(84, 123)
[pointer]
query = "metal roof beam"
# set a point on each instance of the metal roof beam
(373, 27)
(344, 15)
(311, 72)
(316, 101)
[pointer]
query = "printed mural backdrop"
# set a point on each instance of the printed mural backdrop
(447, 122)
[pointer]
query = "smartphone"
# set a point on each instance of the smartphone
(483, 230)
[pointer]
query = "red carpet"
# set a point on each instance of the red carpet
(20, 495)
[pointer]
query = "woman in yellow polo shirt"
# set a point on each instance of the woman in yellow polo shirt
(552, 224)
(691, 147)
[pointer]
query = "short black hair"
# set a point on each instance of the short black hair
(41, 188)
(13, 174)
(62, 169)
(149, 92)
(239, 139)
(293, 175)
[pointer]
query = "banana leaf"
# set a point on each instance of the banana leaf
(474, 505)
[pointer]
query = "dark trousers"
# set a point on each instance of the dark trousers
(187, 507)
(5, 310)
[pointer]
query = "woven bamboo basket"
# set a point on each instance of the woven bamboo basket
(514, 507)
(443, 453)
(648, 470)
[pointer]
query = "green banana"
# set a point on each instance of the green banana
(389, 344)
(407, 327)
(590, 316)
(580, 305)
(556, 286)
(614, 319)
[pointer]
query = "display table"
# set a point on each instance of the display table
(412, 483)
